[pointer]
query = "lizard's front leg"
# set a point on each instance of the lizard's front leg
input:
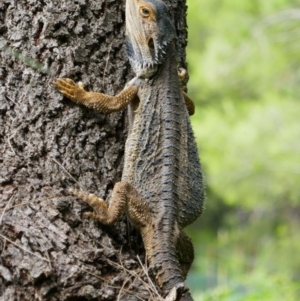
(99, 101)
(182, 74)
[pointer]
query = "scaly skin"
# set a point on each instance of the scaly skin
(161, 190)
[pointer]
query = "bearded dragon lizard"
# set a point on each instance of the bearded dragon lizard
(161, 189)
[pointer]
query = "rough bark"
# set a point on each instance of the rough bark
(48, 144)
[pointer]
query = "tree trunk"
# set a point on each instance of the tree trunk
(48, 144)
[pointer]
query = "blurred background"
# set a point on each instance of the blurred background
(244, 59)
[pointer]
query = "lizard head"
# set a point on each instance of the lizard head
(149, 30)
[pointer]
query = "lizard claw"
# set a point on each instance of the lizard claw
(72, 191)
(182, 74)
(80, 85)
(63, 82)
(97, 203)
(88, 215)
(68, 87)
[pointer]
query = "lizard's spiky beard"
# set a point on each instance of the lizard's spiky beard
(148, 37)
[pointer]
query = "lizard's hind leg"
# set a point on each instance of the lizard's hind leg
(185, 252)
(104, 214)
(124, 198)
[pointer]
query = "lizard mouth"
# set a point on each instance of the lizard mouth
(147, 65)
(151, 44)
(151, 60)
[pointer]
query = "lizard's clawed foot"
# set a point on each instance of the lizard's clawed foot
(182, 74)
(68, 88)
(98, 204)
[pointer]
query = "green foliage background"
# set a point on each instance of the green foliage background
(244, 59)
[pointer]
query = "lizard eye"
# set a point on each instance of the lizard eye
(145, 12)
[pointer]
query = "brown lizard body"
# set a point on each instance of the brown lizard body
(161, 190)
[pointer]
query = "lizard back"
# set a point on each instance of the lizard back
(161, 159)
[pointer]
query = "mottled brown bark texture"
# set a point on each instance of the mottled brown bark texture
(48, 144)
